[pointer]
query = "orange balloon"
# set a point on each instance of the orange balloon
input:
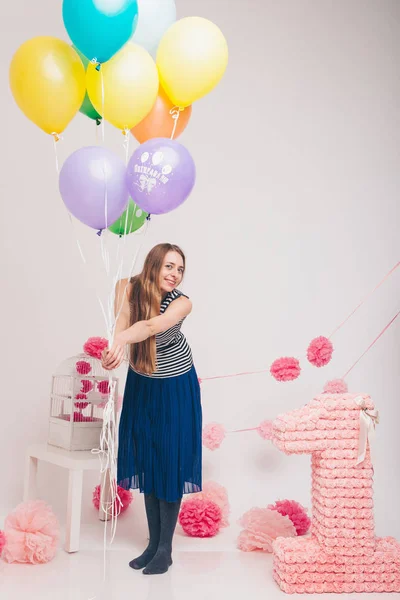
(160, 122)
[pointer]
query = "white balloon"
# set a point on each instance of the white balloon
(155, 17)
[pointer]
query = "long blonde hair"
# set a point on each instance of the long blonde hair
(145, 302)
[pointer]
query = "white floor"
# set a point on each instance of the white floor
(209, 568)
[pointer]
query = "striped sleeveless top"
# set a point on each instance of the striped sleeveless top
(173, 353)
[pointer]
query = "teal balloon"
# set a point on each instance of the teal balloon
(135, 220)
(99, 28)
(87, 107)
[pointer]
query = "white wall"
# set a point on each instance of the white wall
(294, 217)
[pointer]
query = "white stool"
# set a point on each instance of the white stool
(76, 463)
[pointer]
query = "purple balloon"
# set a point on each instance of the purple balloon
(91, 178)
(160, 176)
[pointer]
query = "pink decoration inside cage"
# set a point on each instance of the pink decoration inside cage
(79, 417)
(87, 386)
(343, 555)
(83, 367)
(104, 388)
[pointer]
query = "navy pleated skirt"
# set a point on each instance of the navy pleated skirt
(160, 431)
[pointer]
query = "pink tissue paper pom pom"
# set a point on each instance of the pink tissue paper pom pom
(83, 367)
(336, 386)
(32, 534)
(2, 541)
(94, 346)
(320, 351)
(87, 386)
(216, 493)
(81, 405)
(200, 518)
(265, 429)
(103, 387)
(213, 435)
(261, 527)
(125, 497)
(296, 513)
(285, 369)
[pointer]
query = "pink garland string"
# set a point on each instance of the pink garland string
(240, 430)
(365, 299)
(372, 344)
(234, 375)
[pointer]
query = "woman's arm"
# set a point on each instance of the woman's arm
(142, 330)
(121, 305)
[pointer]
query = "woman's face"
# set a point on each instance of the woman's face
(171, 273)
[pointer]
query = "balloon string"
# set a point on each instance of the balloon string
(175, 112)
(124, 235)
(372, 344)
(126, 144)
(108, 441)
(56, 138)
(365, 299)
(126, 232)
(102, 106)
(147, 225)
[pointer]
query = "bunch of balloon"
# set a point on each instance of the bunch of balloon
(51, 80)
(132, 64)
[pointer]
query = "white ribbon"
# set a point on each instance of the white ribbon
(368, 420)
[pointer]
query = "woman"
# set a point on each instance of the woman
(160, 429)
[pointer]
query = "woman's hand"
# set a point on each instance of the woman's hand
(113, 357)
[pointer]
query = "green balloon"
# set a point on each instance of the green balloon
(87, 107)
(134, 221)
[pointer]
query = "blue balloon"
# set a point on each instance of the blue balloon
(99, 28)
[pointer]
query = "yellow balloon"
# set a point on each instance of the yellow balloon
(191, 59)
(47, 80)
(125, 89)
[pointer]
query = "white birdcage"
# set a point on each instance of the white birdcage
(79, 393)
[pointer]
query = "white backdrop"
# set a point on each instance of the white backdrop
(294, 217)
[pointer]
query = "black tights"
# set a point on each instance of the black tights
(162, 517)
